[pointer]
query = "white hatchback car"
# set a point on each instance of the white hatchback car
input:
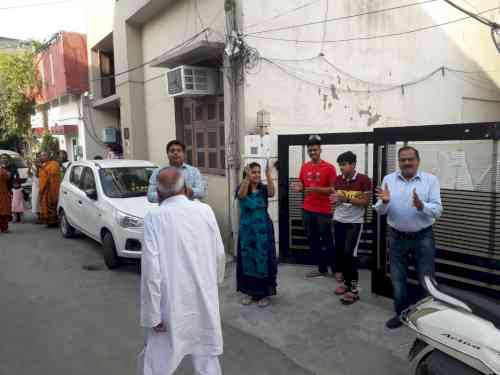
(107, 201)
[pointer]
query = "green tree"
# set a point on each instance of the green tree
(17, 78)
(49, 144)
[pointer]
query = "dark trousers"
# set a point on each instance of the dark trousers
(421, 247)
(319, 233)
(347, 237)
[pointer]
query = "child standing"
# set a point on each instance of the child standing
(18, 206)
(352, 191)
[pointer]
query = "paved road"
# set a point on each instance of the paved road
(64, 313)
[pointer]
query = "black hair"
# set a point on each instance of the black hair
(409, 148)
(176, 142)
(348, 157)
(252, 166)
(98, 157)
(313, 140)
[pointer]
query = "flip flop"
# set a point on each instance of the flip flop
(247, 300)
(264, 302)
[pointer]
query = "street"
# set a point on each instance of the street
(64, 313)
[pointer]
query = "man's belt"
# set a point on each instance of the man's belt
(411, 235)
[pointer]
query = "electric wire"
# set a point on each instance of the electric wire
(327, 20)
(370, 37)
(476, 16)
(303, 6)
(325, 28)
(398, 86)
(34, 5)
(180, 45)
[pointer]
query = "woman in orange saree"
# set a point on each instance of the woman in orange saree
(50, 181)
(5, 199)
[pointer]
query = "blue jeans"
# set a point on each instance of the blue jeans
(421, 247)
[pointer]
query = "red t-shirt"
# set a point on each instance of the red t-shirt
(323, 175)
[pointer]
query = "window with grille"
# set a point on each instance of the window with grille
(203, 133)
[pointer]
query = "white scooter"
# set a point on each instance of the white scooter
(458, 333)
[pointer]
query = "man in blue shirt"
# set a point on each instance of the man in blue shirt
(195, 186)
(412, 202)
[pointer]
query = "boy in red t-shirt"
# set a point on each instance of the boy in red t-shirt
(317, 179)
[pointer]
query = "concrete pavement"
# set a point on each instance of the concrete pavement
(59, 318)
(63, 312)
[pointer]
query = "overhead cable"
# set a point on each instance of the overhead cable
(476, 16)
(390, 87)
(180, 45)
(370, 37)
(283, 14)
(35, 5)
(327, 20)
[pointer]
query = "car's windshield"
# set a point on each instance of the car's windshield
(125, 182)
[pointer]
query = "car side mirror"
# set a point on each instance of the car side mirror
(91, 194)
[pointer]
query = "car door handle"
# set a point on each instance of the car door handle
(80, 202)
(65, 192)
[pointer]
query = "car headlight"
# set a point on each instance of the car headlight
(128, 221)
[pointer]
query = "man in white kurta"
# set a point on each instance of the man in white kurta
(182, 264)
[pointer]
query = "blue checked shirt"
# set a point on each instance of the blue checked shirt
(401, 214)
(192, 178)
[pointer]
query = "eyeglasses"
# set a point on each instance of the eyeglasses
(403, 160)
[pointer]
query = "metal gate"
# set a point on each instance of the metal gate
(294, 247)
(465, 159)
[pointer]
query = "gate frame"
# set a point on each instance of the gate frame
(381, 285)
(284, 143)
(379, 137)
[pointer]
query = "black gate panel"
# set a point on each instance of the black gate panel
(294, 247)
(468, 247)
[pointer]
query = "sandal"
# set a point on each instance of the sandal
(247, 300)
(349, 298)
(264, 302)
(341, 290)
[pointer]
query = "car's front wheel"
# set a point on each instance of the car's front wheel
(67, 230)
(111, 258)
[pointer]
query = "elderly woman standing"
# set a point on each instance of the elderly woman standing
(49, 178)
(5, 198)
(256, 260)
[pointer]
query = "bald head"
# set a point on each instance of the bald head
(170, 183)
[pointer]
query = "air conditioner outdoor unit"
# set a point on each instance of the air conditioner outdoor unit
(188, 80)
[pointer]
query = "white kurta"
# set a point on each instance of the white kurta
(182, 263)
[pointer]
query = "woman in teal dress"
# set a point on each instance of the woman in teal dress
(256, 260)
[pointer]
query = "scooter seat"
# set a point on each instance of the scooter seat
(482, 306)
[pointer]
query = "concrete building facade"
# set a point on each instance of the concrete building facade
(312, 66)
(102, 105)
(62, 73)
